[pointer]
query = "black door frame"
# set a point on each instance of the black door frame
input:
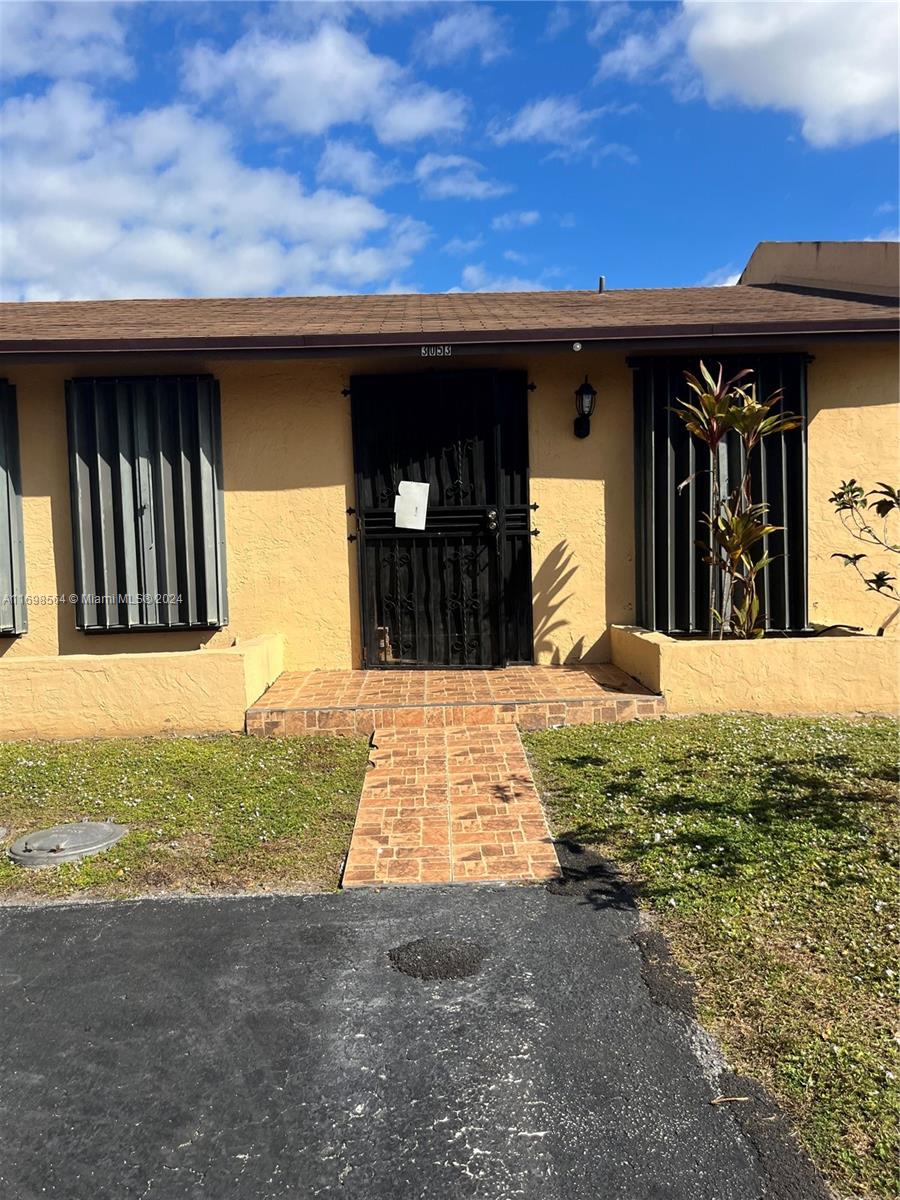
(514, 521)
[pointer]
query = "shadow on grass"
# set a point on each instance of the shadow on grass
(728, 832)
(594, 880)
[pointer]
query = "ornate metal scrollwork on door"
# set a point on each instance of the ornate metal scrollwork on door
(458, 489)
(399, 606)
(467, 648)
(464, 604)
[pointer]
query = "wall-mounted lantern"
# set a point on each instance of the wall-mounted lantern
(585, 397)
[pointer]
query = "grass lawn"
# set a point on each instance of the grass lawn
(769, 850)
(230, 813)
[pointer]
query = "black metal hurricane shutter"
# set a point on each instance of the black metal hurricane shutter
(145, 466)
(672, 582)
(13, 608)
(456, 594)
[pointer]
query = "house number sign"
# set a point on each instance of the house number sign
(435, 351)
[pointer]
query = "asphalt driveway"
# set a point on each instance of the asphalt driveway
(268, 1047)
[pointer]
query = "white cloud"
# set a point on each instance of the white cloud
(559, 20)
(304, 15)
(652, 49)
(477, 278)
(515, 220)
(725, 276)
(617, 150)
(461, 246)
(419, 112)
(454, 176)
(307, 86)
(556, 120)
(606, 16)
(62, 40)
(398, 287)
(330, 78)
(99, 203)
(469, 29)
(347, 165)
(833, 64)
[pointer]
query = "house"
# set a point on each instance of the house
(196, 494)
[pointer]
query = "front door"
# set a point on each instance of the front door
(458, 592)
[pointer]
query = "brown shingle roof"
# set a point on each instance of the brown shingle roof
(323, 321)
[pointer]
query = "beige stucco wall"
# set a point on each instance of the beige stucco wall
(288, 473)
(829, 674)
(854, 432)
(866, 267)
(583, 559)
(287, 467)
(288, 478)
(85, 695)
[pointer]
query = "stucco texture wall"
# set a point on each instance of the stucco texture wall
(87, 695)
(828, 674)
(287, 467)
(288, 475)
(854, 432)
(583, 559)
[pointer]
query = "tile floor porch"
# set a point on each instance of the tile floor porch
(354, 702)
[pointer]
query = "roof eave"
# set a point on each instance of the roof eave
(319, 343)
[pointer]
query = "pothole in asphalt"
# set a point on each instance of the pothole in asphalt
(438, 957)
(65, 843)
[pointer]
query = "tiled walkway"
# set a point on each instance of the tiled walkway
(449, 805)
(449, 796)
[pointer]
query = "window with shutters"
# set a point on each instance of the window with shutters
(13, 609)
(147, 512)
(672, 581)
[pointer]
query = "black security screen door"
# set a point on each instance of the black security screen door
(458, 592)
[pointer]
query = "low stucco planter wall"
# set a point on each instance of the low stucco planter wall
(105, 695)
(842, 674)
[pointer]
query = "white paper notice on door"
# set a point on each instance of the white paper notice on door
(411, 506)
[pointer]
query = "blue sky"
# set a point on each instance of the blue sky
(230, 148)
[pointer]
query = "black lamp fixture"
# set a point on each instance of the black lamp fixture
(585, 396)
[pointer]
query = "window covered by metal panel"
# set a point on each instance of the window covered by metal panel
(147, 513)
(672, 582)
(13, 609)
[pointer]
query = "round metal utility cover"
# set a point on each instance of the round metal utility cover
(65, 843)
